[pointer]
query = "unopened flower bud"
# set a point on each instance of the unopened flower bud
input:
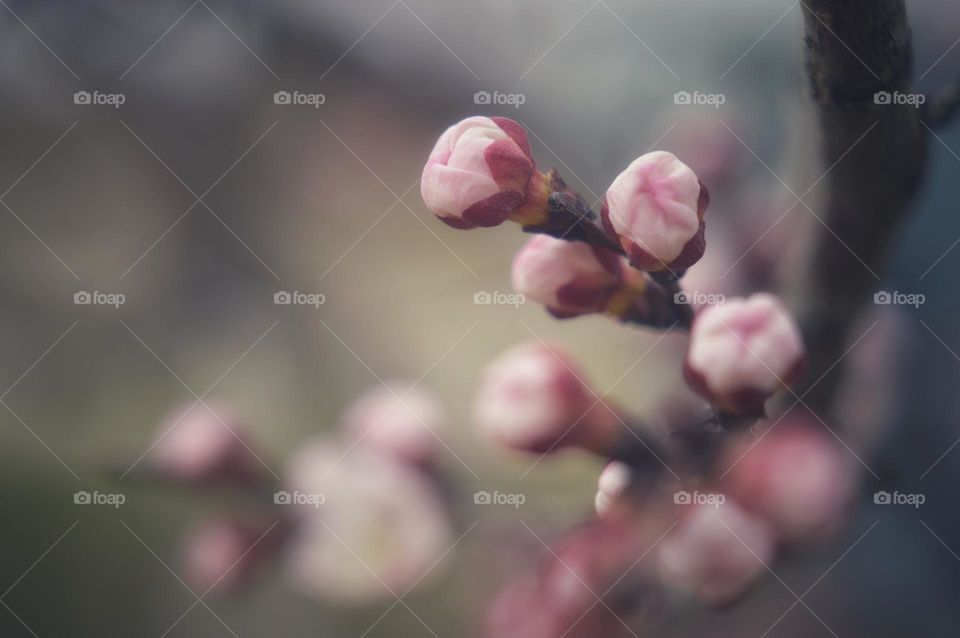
(532, 398)
(796, 477)
(612, 485)
(525, 609)
(654, 211)
(222, 553)
(203, 444)
(600, 559)
(366, 524)
(481, 173)
(398, 420)
(573, 278)
(743, 351)
(717, 552)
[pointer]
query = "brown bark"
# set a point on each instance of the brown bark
(854, 49)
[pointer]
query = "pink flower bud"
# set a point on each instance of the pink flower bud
(405, 424)
(481, 173)
(716, 552)
(365, 524)
(654, 210)
(611, 486)
(572, 278)
(743, 351)
(524, 609)
(796, 477)
(532, 398)
(599, 559)
(222, 553)
(203, 444)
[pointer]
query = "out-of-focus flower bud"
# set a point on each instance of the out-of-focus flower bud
(398, 420)
(573, 278)
(481, 173)
(612, 485)
(743, 351)
(532, 398)
(222, 553)
(717, 552)
(654, 211)
(600, 559)
(796, 477)
(714, 153)
(203, 444)
(357, 512)
(714, 277)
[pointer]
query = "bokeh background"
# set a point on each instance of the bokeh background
(199, 198)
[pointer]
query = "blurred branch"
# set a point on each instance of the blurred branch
(942, 106)
(874, 154)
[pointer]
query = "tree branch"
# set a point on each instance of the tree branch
(874, 157)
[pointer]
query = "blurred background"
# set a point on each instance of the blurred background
(146, 152)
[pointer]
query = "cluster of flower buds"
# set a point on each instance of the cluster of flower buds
(791, 488)
(481, 173)
(373, 492)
